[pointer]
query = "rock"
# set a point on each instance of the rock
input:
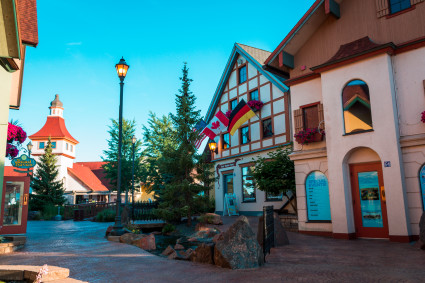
(180, 240)
(173, 255)
(239, 248)
(178, 247)
(108, 231)
(217, 238)
(214, 218)
(193, 239)
(200, 226)
(280, 237)
(147, 242)
(128, 238)
(184, 255)
(156, 233)
(169, 250)
(203, 254)
(422, 228)
(205, 233)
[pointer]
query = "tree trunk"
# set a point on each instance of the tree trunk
(293, 204)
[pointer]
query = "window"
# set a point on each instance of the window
(309, 117)
(248, 187)
(317, 197)
(66, 146)
(356, 106)
(242, 74)
(399, 5)
(245, 135)
(422, 182)
(40, 145)
(53, 144)
(233, 104)
(267, 128)
(272, 197)
(254, 95)
(225, 141)
(72, 148)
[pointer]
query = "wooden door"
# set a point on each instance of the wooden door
(369, 203)
(14, 208)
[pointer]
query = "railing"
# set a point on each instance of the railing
(142, 210)
(268, 233)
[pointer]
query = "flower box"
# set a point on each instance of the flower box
(255, 105)
(308, 136)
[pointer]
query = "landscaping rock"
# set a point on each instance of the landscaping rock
(422, 228)
(178, 247)
(205, 233)
(173, 255)
(169, 250)
(239, 248)
(147, 242)
(200, 226)
(280, 237)
(203, 254)
(108, 231)
(129, 238)
(185, 255)
(214, 218)
(217, 238)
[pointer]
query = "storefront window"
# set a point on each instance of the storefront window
(248, 186)
(13, 203)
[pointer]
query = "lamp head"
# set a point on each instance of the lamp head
(133, 139)
(29, 146)
(122, 68)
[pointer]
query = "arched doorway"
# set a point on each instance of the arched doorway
(368, 193)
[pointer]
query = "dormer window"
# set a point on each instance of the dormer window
(399, 5)
(41, 145)
(242, 74)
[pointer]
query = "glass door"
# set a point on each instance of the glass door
(369, 203)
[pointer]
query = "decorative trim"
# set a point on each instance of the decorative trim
(309, 154)
(310, 104)
(413, 140)
(410, 45)
(389, 16)
(301, 79)
(63, 154)
(403, 239)
(251, 152)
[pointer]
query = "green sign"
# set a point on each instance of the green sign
(24, 162)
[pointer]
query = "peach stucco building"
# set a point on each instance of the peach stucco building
(357, 72)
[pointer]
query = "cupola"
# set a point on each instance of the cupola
(56, 107)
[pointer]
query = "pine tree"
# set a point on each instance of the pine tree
(179, 196)
(47, 188)
(111, 156)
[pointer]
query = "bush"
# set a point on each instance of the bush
(107, 215)
(50, 211)
(168, 228)
(206, 219)
(205, 204)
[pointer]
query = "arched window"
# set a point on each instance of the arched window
(422, 182)
(317, 197)
(356, 106)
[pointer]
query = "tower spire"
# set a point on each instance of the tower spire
(56, 107)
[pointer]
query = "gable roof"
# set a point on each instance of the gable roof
(54, 128)
(87, 177)
(98, 171)
(27, 14)
(256, 58)
(10, 171)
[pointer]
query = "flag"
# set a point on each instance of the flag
(218, 124)
(198, 128)
(239, 115)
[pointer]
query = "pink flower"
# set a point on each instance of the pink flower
(255, 104)
(11, 151)
(423, 117)
(15, 133)
(228, 113)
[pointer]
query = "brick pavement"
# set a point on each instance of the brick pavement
(80, 246)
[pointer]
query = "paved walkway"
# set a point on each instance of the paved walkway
(80, 246)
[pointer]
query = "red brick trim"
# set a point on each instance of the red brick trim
(344, 236)
(404, 239)
(316, 233)
(413, 7)
(301, 79)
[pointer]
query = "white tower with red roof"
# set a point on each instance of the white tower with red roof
(64, 145)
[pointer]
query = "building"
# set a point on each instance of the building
(357, 71)
(244, 78)
(18, 29)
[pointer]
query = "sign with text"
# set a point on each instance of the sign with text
(230, 200)
(23, 162)
(317, 193)
(370, 201)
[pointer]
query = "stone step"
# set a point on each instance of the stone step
(29, 272)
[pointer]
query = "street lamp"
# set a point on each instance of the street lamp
(132, 180)
(213, 146)
(29, 147)
(122, 69)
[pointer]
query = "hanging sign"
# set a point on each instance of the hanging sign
(370, 201)
(317, 189)
(23, 162)
(230, 200)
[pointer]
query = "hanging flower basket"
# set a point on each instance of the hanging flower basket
(308, 136)
(255, 105)
(423, 117)
(228, 113)
(15, 137)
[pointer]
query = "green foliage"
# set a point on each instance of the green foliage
(111, 156)
(48, 191)
(206, 219)
(275, 174)
(168, 228)
(107, 215)
(2, 239)
(50, 211)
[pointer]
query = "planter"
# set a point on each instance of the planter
(307, 136)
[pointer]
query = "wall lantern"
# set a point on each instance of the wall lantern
(213, 146)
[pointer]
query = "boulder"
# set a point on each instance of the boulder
(178, 247)
(214, 218)
(200, 226)
(108, 231)
(184, 255)
(129, 238)
(173, 255)
(217, 238)
(239, 248)
(147, 242)
(203, 254)
(280, 237)
(422, 228)
(169, 250)
(205, 233)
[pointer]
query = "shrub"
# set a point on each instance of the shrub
(107, 215)
(206, 219)
(168, 228)
(50, 211)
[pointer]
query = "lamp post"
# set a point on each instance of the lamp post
(29, 147)
(122, 69)
(132, 181)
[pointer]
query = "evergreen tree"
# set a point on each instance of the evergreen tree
(177, 165)
(48, 190)
(111, 156)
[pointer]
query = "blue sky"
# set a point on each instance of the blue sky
(81, 41)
